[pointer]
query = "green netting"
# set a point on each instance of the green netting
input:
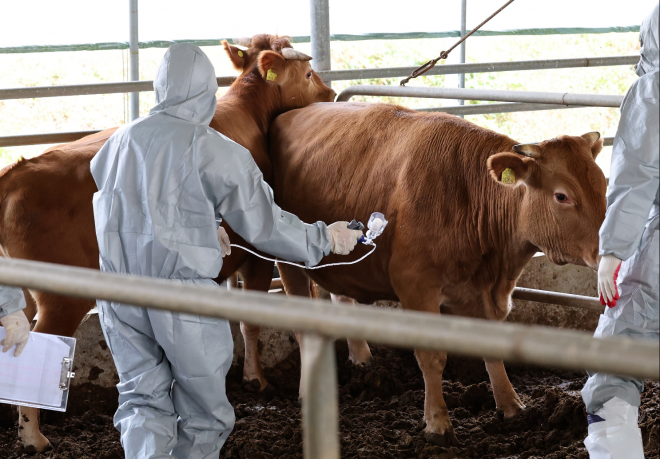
(306, 39)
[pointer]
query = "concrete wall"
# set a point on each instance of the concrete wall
(541, 274)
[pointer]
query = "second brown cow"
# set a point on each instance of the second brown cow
(458, 235)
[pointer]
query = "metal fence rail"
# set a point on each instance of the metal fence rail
(446, 69)
(536, 345)
(88, 89)
(327, 75)
(40, 139)
(558, 98)
(63, 137)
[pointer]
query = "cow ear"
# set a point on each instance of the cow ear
(236, 55)
(509, 169)
(271, 66)
(595, 141)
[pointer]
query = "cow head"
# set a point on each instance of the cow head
(563, 203)
(284, 68)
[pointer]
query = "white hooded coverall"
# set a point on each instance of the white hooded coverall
(11, 300)
(163, 180)
(630, 231)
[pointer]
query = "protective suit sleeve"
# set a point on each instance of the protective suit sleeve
(634, 178)
(235, 185)
(11, 300)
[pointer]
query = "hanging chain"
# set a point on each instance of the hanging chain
(443, 55)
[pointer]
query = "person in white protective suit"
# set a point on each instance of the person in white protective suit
(629, 268)
(164, 180)
(12, 318)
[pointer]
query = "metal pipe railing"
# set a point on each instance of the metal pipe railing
(520, 293)
(327, 75)
(485, 109)
(134, 60)
(559, 98)
(39, 139)
(486, 67)
(62, 137)
(89, 89)
(318, 388)
(512, 342)
(320, 35)
(561, 299)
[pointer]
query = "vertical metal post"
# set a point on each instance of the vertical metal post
(320, 35)
(134, 64)
(461, 83)
(319, 404)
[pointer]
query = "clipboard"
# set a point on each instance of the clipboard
(41, 375)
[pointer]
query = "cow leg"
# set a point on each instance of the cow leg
(57, 316)
(506, 398)
(418, 293)
(358, 349)
(257, 274)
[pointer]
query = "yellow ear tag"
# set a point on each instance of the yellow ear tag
(240, 53)
(270, 75)
(508, 176)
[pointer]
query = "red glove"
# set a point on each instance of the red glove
(612, 303)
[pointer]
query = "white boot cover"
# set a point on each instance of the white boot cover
(618, 436)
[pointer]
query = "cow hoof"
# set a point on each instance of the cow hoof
(253, 385)
(445, 441)
(510, 412)
(269, 391)
(32, 449)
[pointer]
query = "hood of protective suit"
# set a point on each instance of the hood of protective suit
(648, 37)
(185, 84)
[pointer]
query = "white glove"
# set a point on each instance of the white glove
(608, 271)
(17, 328)
(224, 242)
(342, 239)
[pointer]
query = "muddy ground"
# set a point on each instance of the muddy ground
(381, 415)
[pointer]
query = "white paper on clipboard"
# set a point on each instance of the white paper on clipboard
(34, 376)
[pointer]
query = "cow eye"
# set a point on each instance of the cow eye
(309, 75)
(561, 197)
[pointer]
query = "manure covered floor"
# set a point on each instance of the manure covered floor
(381, 415)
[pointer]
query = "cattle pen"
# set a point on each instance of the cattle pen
(319, 321)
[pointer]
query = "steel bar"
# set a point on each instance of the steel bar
(394, 72)
(461, 76)
(62, 137)
(327, 75)
(320, 412)
(320, 35)
(88, 89)
(590, 100)
(40, 139)
(512, 342)
(134, 61)
(483, 109)
(562, 299)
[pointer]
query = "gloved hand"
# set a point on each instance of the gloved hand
(608, 271)
(343, 240)
(224, 242)
(17, 330)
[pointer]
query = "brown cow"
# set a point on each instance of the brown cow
(46, 202)
(458, 237)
